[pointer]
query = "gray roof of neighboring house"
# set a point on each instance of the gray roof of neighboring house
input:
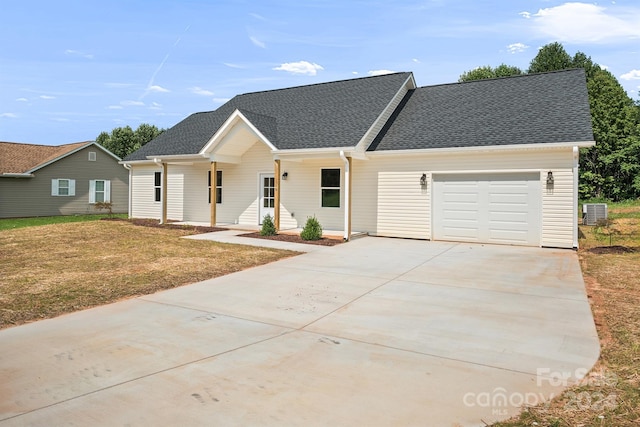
(528, 109)
(335, 114)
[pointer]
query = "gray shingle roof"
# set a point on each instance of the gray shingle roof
(529, 109)
(335, 114)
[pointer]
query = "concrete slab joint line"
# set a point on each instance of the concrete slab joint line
(409, 330)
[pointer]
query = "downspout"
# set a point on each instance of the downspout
(576, 155)
(347, 212)
(128, 167)
(159, 163)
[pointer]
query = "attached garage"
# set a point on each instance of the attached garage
(502, 208)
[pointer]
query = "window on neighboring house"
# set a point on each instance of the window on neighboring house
(218, 186)
(99, 190)
(157, 184)
(330, 187)
(92, 156)
(63, 187)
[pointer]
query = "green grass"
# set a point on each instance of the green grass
(13, 223)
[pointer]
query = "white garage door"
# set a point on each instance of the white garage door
(487, 208)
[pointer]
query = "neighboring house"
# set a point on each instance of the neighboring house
(493, 161)
(43, 180)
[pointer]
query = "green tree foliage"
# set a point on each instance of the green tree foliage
(610, 169)
(488, 72)
(123, 141)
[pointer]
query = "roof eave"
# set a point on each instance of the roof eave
(509, 147)
(16, 175)
(62, 156)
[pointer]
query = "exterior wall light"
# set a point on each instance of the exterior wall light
(423, 179)
(285, 176)
(549, 179)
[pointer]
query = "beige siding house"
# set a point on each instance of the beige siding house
(491, 161)
(42, 180)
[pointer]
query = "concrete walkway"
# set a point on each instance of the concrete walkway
(373, 332)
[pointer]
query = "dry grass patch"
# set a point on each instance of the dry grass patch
(612, 277)
(49, 270)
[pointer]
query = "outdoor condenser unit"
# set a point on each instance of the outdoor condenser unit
(593, 212)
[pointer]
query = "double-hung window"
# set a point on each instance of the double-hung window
(330, 187)
(218, 186)
(157, 186)
(99, 191)
(63, 187)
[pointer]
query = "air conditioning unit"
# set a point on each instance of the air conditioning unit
(593, 212)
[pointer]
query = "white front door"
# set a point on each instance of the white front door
(267, 195)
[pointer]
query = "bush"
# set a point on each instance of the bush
(108, 206)
(268, 227)
(312, 229)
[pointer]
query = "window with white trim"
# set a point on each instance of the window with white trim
(157, 185)
(218, 186)
(92, 156)
(330, 187)
(63, 187)
(99, 191)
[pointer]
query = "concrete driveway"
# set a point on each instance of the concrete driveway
(373, 332)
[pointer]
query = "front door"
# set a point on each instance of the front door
(267, 195)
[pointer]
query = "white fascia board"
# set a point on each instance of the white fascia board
(490, 148)
(178, 158)
(309, 153)
(409, 84)
(210, 146)
(16, 175)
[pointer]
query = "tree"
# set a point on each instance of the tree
(488, 72)
(123, 141)
(551, 57)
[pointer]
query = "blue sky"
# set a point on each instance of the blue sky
(71, 69)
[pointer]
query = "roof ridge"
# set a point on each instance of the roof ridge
(322, 83)
(503, 78)
(44, 145)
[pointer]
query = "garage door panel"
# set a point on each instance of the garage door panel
(490, 208)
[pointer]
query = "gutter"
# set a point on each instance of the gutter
(576, 166)
(347, 212)
(16, 175)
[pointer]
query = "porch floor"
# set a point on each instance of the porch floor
(251, 228)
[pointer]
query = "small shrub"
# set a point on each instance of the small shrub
(268, 227)
(108, 206)
(312, 229)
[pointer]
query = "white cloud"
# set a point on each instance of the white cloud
(604, 67)
(231, 65)
(355, 73)
(525, 15)
(576, 22)
(114, 107)
(200, 91)
(257, 42)
(78, 53)
(47, 97)
(22, 99)
(517, 47)
(156, 88)
(301, 67)
(631, 75)
(132, 103)
(9, 115)
(416, 60)
(220, 100)
(379, 72)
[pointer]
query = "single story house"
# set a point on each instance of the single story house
(491, 161)
(46, 180)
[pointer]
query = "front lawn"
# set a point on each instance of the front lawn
(610, 260)
(12, 223)
(58, 268)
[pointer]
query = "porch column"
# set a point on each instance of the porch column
(165, 168)
(276, 206)
(349, 185)
(213, 192)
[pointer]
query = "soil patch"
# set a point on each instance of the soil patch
(146, 222)
(293, 238)
(615, 249)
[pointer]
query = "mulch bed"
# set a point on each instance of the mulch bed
(145, 222)
(294, 238)
(600, 250)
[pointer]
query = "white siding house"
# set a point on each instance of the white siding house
(491, 161)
